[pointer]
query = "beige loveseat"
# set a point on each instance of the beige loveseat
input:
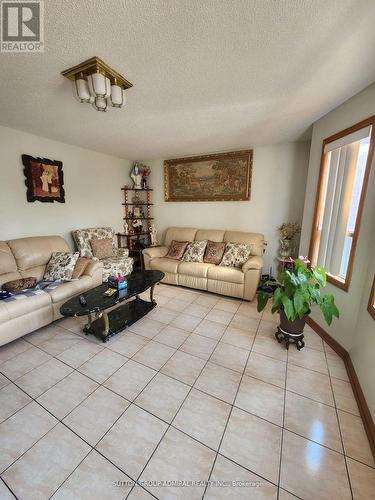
(235, 282)
(26, 257)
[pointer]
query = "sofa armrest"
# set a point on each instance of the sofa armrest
(92, 268)
(255, 262)
(122, 252)
(154, 252)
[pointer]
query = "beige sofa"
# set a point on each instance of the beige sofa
(235, 282)
(25, 257)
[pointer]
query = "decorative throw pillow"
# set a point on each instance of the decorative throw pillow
(102, 248)
(214, 252)
(80, 267)
(177, 249)
(195, 251)
(236, 254)
(61, 266)
(19, 284)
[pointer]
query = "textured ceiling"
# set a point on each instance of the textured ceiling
(208, 75)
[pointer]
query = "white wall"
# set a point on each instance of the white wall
(92, 183)
(355, 330)
(277, 196)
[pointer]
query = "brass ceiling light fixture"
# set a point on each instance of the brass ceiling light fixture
(98, 84)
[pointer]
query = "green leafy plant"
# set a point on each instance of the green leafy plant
(297, 289)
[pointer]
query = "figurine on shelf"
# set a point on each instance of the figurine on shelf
(146, 171)
(126, 228)
(136, 176)
(137, 225)
(153, 235)
(136, 198)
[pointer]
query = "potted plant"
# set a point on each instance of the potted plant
(294, 292)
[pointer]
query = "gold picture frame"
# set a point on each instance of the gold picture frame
(214, 177)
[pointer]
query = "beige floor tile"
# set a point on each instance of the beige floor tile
(129, 344)
(80, 353)
(232, 482)
(130, 379)
(313, 341)
(186, 322)
(163, 397)
(63, 397)
(355, 440)
(197, 310)
(96, 414)
(220, 316)
(261, 399)
(207, 300)
(3, 381)
(308, 383)
(309, 470)
(230, 356)
(178, 305)
(249, 309)
(172, 336)
(253, 443)
(5, 493)
(162, 300)
(8, 351)
(203, 417)
(228, 305)
(182, 458)
(188, 294)
(103, 365)
(210, 329)
(336, 367)
(95, 478)
(362, 479)
(24, 362)
(41, 470)
(267, 329)
(183, 367)
(12, 399)
(238, 338)
(312, 420)
(163, 315)
(344, 397)
(219, 382)
(167, 290)
(154, 355)
(267, 369)
(139, 493)
(61, 342)
(199, 346)
(244, 322)
(43, 377)
(132, 440)
(284, 495)
(147, 327)
(43, 334)
(270, 317)
(308, 358)
(21, 431)
(74, 324)
(270, 347)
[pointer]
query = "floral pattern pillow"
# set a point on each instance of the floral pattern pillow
(214, 252)
(177, 249)
(61, 266)
(195, 251)
(236, 254)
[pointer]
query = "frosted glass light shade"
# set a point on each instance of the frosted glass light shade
(82, 90)
(100, 104)
(97, 85)
(107, 88)
(117, 96)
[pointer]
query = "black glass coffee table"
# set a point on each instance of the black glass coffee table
(105, 324)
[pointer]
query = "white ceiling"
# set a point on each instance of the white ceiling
(208, 75)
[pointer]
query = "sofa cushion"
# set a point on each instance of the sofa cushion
(177, 249)
(69, 289)
(8, 265)
(254, 239)
(198, 269)
(82, 238)
(79, 268)
(195, 251)
(164, 264)
(179, 234)
(19, 284)
(61, 266)
(229, 274)
(101, 247)
(19, 305)
(214, 252)
(235, 255)
(216, 235)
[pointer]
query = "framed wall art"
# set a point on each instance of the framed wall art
(44, 179)
(215, 177)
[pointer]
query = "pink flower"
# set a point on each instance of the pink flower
(289, 260)
(305, 260)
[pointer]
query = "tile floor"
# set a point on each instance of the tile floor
(195, 400)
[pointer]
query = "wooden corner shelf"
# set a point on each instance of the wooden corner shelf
(132, 236)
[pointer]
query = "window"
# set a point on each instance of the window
(345, 168)
(371, 302)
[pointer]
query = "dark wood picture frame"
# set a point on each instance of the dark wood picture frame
(343, 284)
(371, 301)
(210, 179)
(46, 190)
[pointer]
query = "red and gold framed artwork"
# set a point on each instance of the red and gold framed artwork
(216, 177)
(44, 179)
